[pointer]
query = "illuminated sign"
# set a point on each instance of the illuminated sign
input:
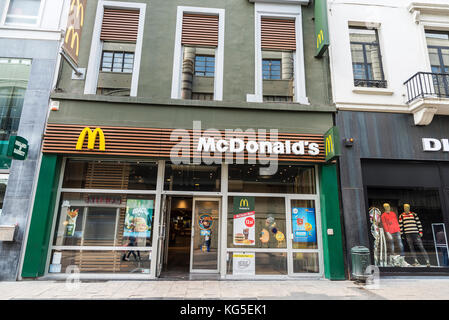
(321, 27)
(91, 137)
(75, 24)
(332, 144)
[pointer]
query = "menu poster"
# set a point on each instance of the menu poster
(244, 221)
(72, 215)
(243, 263)
(138, 219)
(303, 225)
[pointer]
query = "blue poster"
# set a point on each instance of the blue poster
(303, 225)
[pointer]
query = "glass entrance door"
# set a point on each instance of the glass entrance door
(205, 235)
(163, 230)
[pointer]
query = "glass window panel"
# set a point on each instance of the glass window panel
(287, 179)
(304, 224)
(200, 58)
(270, 226)
(93, 219)
(192, 177)
(103, 261)
(139, 175)
(408, 232)
(3, 184)
(14, 74)
(23, 11)
(305, 262)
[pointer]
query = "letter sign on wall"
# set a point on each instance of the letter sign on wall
(75, 22)
(332, 144)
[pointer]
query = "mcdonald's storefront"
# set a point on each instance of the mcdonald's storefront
(143, 203)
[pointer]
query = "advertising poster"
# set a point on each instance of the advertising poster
(243, 263)
(72, 215)
(303, 224)
(138, 219)
(244, 221)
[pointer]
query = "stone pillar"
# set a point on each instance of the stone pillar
(188, 64)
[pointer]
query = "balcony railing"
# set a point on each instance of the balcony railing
(370, 83)
(427, 84)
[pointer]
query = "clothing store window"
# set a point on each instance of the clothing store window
(407, 227)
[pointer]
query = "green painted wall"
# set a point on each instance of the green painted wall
(330, 219)
(42, 217)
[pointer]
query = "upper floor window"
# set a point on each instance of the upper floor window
(117, 61)
(271, 69)
(438, 46)
(366, 58)
(20, 12)
(204, 66)
(278, 42)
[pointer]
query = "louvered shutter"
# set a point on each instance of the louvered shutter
(200, 30)
(120, 25)
(278, 34)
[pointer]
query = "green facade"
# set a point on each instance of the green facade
(153, 108)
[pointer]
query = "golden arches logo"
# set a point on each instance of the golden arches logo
(75, 36)
(91, 137)
(79, 10)
(244, 203)
(329, 145)
(319, 38)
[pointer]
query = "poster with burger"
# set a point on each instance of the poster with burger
(139, 215)
(244, 221)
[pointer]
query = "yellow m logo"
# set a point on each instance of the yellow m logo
(79, 10)
(320, 38)
(244, 203)
(329, 145)
(92, 136)
(75, 36)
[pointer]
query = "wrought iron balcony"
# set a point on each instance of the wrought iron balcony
(427, 85)
(370, 83)
(427, 95)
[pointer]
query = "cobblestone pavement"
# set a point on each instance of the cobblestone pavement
(390, 289)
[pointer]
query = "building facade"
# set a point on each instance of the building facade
(30, 35)
(191, 142)
(390, 89)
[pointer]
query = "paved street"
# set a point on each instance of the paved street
(389, 289)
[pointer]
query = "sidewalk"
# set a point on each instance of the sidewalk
(410, 289)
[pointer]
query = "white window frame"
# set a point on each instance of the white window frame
(5, 14)
(96, 49)
(178, 53)
(288, 11)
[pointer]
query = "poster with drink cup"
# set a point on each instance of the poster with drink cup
(244, 229)
(244, 221)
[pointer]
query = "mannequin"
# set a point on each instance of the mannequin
(392, 232)
(411, 229)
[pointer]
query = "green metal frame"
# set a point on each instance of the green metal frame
(330, 219)
(42, 217)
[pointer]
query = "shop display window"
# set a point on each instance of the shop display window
(265, 228)
(192, 177)
(287, 179)
(407, 228)
(305, 262)
(101, 174)
(304, 224)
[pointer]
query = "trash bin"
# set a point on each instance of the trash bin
(360, 257)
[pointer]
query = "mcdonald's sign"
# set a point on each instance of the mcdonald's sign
(321, 27)
(91, 137)
(243, 204)
(332, 144)
(75, 23)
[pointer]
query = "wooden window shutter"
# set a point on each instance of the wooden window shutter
(200, 30)
(278, 34)
(120, 25)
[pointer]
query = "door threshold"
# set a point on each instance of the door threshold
(170, 276)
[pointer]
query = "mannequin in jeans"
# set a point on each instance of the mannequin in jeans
(390, 225)
(412, 230)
